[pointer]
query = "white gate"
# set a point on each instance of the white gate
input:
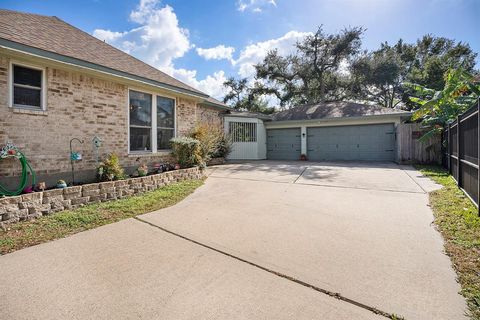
(248, 137)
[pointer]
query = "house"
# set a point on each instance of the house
(328, 131)
(58, 83)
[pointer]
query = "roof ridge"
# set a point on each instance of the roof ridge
(28, 13)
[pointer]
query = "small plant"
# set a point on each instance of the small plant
(186, 152)
(142, 170)
(110, 169)
(61, 184)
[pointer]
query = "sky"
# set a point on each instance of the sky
(204, 42)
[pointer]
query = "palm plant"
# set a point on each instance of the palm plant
(438, 108)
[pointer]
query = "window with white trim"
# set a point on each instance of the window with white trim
(27, 87)
(152, 122)
(165, 122)
(140, 121)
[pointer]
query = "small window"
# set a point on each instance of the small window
(27, 87)
(140, 121)
(243, 131)
(165, 122)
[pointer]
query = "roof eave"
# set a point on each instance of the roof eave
(219, 106)
(377, 116)
(15, 46)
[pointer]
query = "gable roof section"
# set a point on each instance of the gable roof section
(52, 35)
(331, 110)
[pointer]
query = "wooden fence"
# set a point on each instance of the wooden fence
(461, 151)
(412, 149)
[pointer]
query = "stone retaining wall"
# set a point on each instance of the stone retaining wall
(33, 205)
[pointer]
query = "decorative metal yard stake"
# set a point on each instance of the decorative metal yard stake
(97, 143)
(74, 156)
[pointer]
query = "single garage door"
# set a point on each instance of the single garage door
(363, 142)
(283, 144)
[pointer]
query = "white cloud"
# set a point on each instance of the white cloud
(212, 84)
(217, 53)
(254, 5)
(158, 40)
(255, 53)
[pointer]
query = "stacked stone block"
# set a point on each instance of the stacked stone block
(33, 205)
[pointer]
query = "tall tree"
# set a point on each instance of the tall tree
(379, 75)
(243, 97)
(310, 74)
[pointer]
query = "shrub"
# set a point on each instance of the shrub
(213, 140)
(110, 169)
(224, 147)
(186, 152)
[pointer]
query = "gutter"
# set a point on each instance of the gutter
(40, 53)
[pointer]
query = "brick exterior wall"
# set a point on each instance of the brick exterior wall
(81, 106)
(210, 115)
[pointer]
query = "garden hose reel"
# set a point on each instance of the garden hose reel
(11, 151)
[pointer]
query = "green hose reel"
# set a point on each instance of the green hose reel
(11, 151)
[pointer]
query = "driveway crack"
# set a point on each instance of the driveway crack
(335, 295)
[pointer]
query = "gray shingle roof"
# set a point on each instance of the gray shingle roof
(330, 110)
(54, 35)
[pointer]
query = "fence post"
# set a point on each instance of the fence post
(449, 148)
(478, 156)
(459, 152)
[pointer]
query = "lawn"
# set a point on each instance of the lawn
(457, 219)
(28, 233)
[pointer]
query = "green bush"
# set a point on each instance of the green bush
(110, 169)
(213, 140)
(224, 147)
(186, 152)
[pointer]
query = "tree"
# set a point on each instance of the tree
(309, 75)
(438, 107)
(379, 75)
(243, 97)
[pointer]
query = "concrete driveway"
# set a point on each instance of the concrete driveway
(260, 240)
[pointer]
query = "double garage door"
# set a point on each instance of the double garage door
(361, 142)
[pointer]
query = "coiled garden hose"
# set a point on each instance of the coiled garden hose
(10, 151)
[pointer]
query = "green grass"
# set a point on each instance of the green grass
(28, 233)
(457, 219)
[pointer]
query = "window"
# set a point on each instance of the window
(165, 122)
(27, 87)
(140, 121)
(152, 122)
(243, 131)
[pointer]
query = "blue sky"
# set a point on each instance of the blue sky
(204, 42)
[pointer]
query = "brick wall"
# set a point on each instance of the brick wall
(210, 115)
(33, 205)
(81, 106)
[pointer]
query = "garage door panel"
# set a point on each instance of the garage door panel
(361, 142)
(283, 144)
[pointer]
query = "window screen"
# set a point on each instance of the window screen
(27, 87)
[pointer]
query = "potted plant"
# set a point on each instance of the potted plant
(61, 184)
